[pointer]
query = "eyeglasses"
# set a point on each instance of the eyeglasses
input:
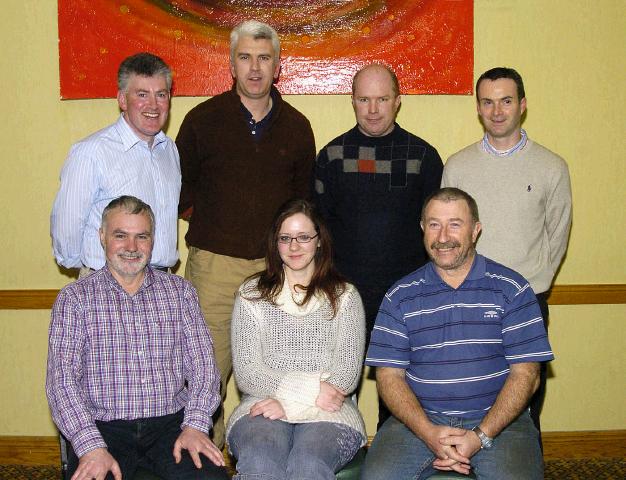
(304, 238)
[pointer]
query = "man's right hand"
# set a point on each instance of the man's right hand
(95, 464)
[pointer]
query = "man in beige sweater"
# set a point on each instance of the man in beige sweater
(522, 190)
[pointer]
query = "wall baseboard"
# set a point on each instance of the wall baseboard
(556, 445)
(560, 295)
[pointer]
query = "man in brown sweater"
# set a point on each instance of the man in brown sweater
(243, 153)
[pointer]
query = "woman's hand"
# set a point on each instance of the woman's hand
(330, 397)
(269, 408)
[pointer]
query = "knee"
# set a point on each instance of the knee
(309, 467)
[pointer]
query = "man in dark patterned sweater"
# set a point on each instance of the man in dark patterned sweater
(370, 184)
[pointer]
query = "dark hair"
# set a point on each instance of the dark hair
(326, 279)
(128, 204)
(395, 85)
(503, 72)
(144, 64)
(451, 194)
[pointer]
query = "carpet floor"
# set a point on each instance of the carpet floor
(586, 469)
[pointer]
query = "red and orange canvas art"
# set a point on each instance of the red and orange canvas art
(429, 43)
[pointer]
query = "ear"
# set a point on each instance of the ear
(101, 232)
(121, 100)
(522, 105)
(477, 228)
(277, 70)
(397, 101)
(232, 70)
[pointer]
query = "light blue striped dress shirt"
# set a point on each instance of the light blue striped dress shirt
(110, 163)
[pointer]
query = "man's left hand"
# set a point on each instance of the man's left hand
(467, 444)
(196, 443)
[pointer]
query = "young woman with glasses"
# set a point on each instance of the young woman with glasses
(297, 340)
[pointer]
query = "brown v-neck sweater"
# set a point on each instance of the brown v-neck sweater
(234, 183)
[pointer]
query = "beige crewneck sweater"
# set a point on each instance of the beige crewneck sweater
(525, 206)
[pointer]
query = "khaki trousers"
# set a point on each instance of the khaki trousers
(217, 278)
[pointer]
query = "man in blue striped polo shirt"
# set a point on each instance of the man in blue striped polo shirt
(457, 346)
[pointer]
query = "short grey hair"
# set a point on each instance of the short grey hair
(258, 31)
(143, 64)
(131, 205)
(451, 194)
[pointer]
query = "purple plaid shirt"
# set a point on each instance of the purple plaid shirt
(115, 356)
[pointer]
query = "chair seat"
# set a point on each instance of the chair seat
(353, 469)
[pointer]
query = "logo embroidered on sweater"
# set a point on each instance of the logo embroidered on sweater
(490, 314)
(529, 188)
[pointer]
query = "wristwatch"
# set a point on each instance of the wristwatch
(485, 441)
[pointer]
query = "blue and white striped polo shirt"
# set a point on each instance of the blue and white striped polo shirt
(456, 345)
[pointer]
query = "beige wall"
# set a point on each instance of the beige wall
(571, 54)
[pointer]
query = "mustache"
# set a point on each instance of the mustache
(450, 244)
(131, 255)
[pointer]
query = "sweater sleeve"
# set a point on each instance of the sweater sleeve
(186, 143)
(303, 166)
(431, 172)
(559, 216)
(344, 367)
(253, 376)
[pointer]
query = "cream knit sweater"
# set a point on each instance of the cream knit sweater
(525, 207)
(283, 351)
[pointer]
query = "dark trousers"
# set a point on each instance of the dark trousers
(372, 296)
(149, 443)
(536, 402)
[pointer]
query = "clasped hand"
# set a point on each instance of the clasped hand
(453, 447)
(330, 397)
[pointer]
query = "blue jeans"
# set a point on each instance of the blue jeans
(275, 450)
(149, 443)
(397, 453)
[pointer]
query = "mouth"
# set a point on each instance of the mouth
(151, 115)
(131, 257)
(444, 247)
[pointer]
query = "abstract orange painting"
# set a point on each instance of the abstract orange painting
(429, 43)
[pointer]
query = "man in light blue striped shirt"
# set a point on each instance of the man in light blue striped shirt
(131, 157)
(457, 346)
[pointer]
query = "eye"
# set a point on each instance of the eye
(362, 100)
(284, 239)
(162, 95)
(304, 238)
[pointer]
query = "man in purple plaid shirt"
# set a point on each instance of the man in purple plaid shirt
(132, 380)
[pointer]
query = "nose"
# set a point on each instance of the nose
(152, 101)
(442, 237)
(372, 107)
(497, 108)
(293, 244)
(255, 63)
(131, 244)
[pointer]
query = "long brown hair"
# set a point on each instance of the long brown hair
(326, 279)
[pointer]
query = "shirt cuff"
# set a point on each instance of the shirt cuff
(197, 419)
(87, 440)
